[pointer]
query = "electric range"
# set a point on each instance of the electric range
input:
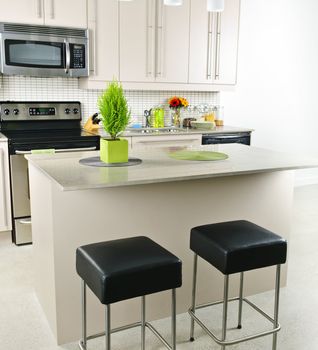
(31, 126)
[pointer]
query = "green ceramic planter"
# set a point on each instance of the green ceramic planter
(114, 151)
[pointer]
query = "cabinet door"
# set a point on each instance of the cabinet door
(5, 206)
(137, 40)
(104, 45)
(66, 13)
(213, 43)
(26, 11)
(226, 60)
(172, 42)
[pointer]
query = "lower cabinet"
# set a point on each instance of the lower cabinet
(5, 200)
(142, 142)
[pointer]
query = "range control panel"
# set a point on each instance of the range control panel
(23, 111)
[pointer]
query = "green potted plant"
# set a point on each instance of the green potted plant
(115, 117)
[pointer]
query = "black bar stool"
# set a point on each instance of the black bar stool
(123, 269)
(232, 247)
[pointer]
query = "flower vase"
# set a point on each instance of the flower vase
(176, 117)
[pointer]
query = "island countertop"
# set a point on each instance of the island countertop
(66, 171)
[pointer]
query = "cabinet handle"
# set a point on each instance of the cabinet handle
(159, 39)
(3, 189)
(39, 8)
(168, 141)
(93, 32)
(52, 12)
(217, 47)
(149, 39)
(210, 38)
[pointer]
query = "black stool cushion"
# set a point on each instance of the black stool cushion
(127, 268)
(238, 246)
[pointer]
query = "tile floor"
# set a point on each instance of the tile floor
(23, 325)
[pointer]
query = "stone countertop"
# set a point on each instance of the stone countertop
(66, 171)
(182, 131)
(3, 138)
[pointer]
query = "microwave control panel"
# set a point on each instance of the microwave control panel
(77, 56)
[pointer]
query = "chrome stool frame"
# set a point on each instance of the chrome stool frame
(223, 342)
(143, 324)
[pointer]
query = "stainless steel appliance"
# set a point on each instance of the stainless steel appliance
(212, 139)
(35, 126)
(43, 51)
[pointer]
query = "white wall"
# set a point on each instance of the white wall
(277, 90)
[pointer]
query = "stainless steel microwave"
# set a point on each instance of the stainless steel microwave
(43, 51)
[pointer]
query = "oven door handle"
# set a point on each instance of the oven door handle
(94, 148)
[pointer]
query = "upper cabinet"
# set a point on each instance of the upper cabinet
(104, 45)
(213, 43)
(153, 41)
(26, 11)
(65, 13)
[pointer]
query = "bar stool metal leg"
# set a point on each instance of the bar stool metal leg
(173, 320)
(225, 304)
(84, 320)
(143, 322)
(194, 288)
(240, 301)
(276, 307)
(107, 327)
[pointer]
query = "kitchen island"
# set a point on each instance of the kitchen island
(162, 198)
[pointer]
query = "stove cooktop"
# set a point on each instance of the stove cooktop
(49, 139)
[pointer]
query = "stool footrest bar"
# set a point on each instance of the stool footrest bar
(239, 340)
(123, 328)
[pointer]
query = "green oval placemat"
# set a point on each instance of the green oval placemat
(197, 155)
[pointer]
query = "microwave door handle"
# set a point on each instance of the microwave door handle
(67, 57)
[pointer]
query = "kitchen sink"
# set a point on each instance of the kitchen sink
(166, 130)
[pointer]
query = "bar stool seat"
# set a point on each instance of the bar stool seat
(109, 268)
(236, 247)
(123, 269)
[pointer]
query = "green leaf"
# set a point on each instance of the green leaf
(113, 108)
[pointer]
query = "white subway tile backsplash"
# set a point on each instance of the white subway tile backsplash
(66, 89)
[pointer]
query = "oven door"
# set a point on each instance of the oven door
(34, 55)
(22, 230)
(20, 186)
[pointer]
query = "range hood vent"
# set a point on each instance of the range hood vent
(42, 30)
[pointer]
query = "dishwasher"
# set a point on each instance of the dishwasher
(216, 138)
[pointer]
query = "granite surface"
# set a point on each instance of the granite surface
(66, 171)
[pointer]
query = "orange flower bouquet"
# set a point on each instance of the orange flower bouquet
(176, 104)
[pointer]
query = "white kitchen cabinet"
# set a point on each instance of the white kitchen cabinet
(26, 11)
(5, 201)
(213, 43)
(64, 13)
(104, 45)
(154, 41)
(143, 142)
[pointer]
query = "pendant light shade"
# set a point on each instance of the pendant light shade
(172, 2)
(215, 5)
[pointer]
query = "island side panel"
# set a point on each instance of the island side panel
(164, 212)
(43, 243)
